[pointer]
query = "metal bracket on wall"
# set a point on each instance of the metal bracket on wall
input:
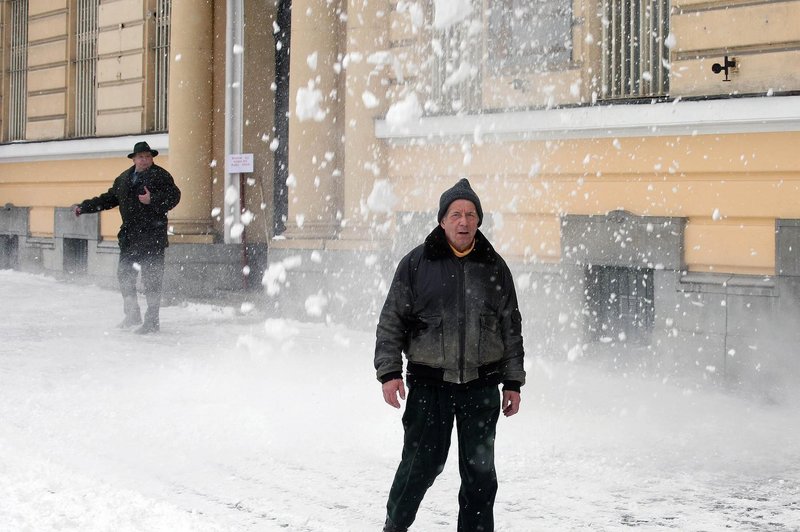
(729, 66)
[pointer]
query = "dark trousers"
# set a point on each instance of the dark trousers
(428, 423)
(151, 264)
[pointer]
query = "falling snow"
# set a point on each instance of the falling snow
(308, 104)
(404, 112)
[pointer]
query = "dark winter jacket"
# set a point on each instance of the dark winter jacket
(144, 227)
(456, 319)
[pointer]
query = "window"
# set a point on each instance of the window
(161, 47)
(85, 68)
(18, 70)
(456, 58)
(620, 303)
(9, 252)
(529, 36)
(635, 55)
(76, 256)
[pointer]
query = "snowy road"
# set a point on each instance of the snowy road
(238, 423)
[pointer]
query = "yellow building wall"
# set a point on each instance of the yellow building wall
(122, 55)
(45, 185)
(731, 188)
(763, 38)
(744, 245)
(48, 64)
(122, 47)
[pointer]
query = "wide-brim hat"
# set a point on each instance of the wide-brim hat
(139, 147)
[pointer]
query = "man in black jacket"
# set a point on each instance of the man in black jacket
(452, 310)
(144, 193)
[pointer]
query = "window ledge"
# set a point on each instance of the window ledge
(726, 283)
(40, 242)
(108, 246)
(737, 115)
(92, 148)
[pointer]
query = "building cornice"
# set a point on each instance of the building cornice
(707, 117)
(93, 148)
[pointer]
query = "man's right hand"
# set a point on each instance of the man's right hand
(77, 210)
(393, 388)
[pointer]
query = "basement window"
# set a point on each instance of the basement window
(620, 303)
(76, 256)
(9, 252)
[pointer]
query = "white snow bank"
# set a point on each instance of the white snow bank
(40, 495)
(243, 423)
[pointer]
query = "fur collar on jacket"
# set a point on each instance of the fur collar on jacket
(437, 248)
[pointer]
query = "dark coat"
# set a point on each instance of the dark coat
(144, 227)
(456, 320)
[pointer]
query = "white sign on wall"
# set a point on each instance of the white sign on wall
(239, 163)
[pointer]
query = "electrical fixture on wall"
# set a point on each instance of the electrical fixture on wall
(519, 84)
(729, 66)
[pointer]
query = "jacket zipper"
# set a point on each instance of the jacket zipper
(462, 317)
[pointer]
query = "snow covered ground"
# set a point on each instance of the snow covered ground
(230, 421)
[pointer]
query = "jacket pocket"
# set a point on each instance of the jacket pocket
(426, 345)
(491, 339)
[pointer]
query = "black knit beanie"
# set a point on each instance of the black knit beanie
(460, 190)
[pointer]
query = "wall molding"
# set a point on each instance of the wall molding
(92, 148)
(725, 116)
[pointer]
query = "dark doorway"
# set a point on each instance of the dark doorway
(282, 46)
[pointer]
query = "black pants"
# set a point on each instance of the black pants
(151, 264)
(428, 422)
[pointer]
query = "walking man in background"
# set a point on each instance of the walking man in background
(452, 309)
(144, 194)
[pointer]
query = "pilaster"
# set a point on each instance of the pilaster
(190, 116)
(367, 34)
(315, 129)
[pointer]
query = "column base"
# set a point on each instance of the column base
(311, 231)
(380, 229)
(192, 232)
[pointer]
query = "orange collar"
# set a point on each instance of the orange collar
(461, 254)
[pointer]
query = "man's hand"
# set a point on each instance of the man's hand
(145, 198)
(77, 210)
(510, 402)
(393, 388)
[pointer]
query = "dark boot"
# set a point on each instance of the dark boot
(391, 527)
(133, 315)
(149, 326)
(151, 322)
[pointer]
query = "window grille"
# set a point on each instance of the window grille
(162, 21)
(527, 36)
(620, 303)
(76, 256)
(9, 252)
(86, 68)
(455, 72)
(18, 70)
(635, 57)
